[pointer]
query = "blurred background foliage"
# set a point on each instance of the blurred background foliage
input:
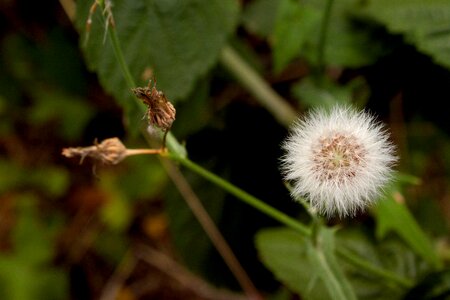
(66, 230)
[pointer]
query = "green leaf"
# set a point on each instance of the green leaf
(116, 213)
(25, 273)
(70, 112)
(393, 216)
(294, 25)
(179, 41)
(259, 16)
(298, 28)
(308, 268)
(423, 24)
(388, 254)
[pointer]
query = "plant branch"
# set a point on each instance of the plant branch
(257, 86)
(211, 229)
(244, 196)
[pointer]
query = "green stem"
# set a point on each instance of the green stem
(244, 196)
(171, 141)
(288, 221)
(257, 86)
(120, 58)
(284, 113)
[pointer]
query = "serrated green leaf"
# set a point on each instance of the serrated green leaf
(308, 268)
(178, 41)
(423, 23)
(393, 216)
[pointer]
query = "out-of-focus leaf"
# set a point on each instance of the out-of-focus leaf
(423, 23)
(195, 113)
(185, 230)
(388, 254)
(393, 216)
(116, 212)
(259, 16)
(178, 41)
(111, 245)
(294, 24)
(327, 94)
(143, 179)
(308, 268)
(70, 112)
(347, 45)
(24, 274)
(51, 180)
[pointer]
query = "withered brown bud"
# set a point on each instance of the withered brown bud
(160, 111)
(110, 152)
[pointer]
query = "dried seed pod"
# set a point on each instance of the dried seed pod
(110, 151)
(160, 111)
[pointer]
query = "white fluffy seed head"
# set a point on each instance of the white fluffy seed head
(339, 160)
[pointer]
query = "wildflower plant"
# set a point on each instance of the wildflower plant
(340, 160)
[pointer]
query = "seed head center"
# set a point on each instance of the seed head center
(338, 157)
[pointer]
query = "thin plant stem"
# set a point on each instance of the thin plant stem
(257, 86)
(244, 196)
(142, 151)
(211, 229)
(289, 221)
(172, 142)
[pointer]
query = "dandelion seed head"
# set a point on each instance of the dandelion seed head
(339, 160)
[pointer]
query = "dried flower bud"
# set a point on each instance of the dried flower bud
(110, 152)
(160, 111)
(339, 160)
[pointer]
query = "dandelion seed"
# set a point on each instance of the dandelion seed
(338, 160)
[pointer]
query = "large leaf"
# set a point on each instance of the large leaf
(298, 28)
(177, 40)
(308, 268)
(423, 23)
